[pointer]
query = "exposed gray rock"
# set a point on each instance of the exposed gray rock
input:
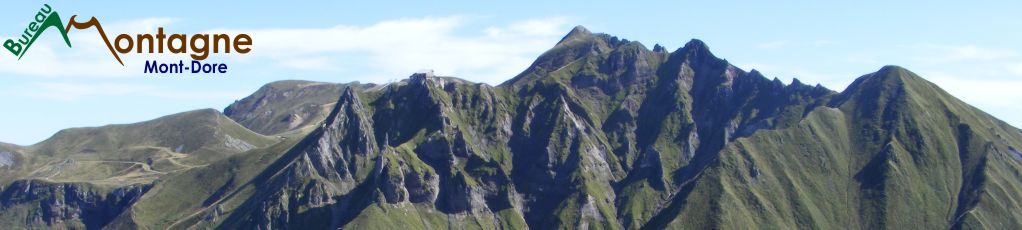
(393, 185)
(234, 143)
(56, 205)
(6, 159)
(422, 187)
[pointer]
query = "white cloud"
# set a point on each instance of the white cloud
(397, 48)
(1002, 94)
(197, 95)
(1014, 68)
(69, 92)
(997, 97)
(72, 91)
(534, 27)
(379, 52)
(933, 53)
(972, 52)
(310, 63)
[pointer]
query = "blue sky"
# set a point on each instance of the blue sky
(970, 49)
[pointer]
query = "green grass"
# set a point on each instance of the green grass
(565, 144)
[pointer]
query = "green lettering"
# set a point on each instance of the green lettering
(12, 46)
(53, 20)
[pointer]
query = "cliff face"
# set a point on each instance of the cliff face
(64, 205)
(599, 132)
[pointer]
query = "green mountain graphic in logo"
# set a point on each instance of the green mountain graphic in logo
(44, 19)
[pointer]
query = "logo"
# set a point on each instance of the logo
(198, 46)
(44, 19)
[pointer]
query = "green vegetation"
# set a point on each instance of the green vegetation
(599, 133)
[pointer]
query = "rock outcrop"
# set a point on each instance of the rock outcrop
(598, 133)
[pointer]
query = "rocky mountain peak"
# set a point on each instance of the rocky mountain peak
(659, 49)
(576, 34)
(421, 75)
(889, 82)
(696, 49)
(598, 132)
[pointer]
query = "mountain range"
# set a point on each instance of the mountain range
(598, 133)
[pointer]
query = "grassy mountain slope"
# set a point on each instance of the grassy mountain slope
(598, 133)
(99, 171)
(284, 106)
(892, 151)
